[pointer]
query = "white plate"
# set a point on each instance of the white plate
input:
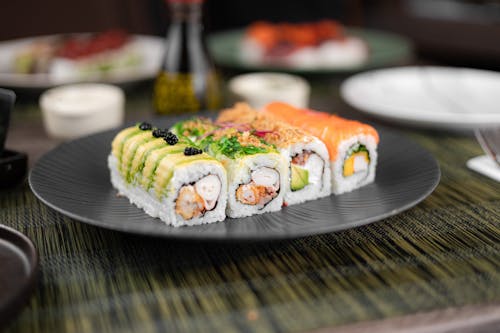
(437, 97)
(150, 48)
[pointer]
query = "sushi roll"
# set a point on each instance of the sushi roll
(256, 171)
(306, 156)
(167, 178)
(352, 145)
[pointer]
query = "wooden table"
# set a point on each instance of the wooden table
(433, 268)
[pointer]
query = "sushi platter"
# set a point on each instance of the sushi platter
(82, 178)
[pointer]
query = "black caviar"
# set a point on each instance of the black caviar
(188, 151)
(160, 133)
(171, 138)
(145, 126)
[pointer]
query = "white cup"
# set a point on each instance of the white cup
(259, 89)
(76, 110)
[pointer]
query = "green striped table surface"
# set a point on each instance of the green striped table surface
(442, 253)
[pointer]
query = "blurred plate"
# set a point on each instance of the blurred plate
(18, 271)
(150, 49)
(74, 180)
(427, 96)
(385, 49)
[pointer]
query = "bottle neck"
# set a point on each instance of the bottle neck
(185, 12)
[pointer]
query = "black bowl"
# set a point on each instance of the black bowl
(7, 99)
(13, 167)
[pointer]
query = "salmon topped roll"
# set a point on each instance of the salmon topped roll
(306, 156)
(352, 145)
(256, 171)
(168, 178)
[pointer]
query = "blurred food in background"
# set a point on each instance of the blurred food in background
(78, 55)
(113, 57)
(445, 32)
(385, 49)
(320, 44)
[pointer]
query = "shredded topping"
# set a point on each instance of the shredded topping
(225, 138)
(197, 126)
(265, 126)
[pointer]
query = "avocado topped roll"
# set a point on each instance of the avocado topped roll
(167, 177)
(306, 156)
(256, 171)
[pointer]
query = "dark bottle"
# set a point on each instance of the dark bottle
(187, 81)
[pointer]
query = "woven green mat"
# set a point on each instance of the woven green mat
(444, 252)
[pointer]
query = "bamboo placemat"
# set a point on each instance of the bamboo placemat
(444, 252)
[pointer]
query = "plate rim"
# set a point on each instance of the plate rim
(235, 237)
(23, 243)
(398, 115)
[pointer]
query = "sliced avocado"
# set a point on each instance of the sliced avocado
(165, 169)
(120, 139)
(153, 160)
(129, 149)
(141, 155)
(300, 178)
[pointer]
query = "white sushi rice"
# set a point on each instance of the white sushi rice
(341, 184)
(239, 172)
(165, 208)
(319, 172)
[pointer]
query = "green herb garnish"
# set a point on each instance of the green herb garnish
(231, 148)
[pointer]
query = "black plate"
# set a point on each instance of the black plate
(18, 271)
(74, 180)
